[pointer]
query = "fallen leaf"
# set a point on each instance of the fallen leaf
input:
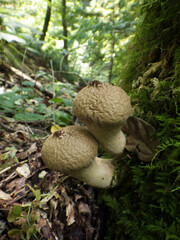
(20, 221)
(42, 174)
(41, 222)
(21, 155)
(21, 135)
(24, 154)
(23, 170)
(55, 128)
(141, 138)
(16, 184)
(70, 213)
(65, 195)
(83, 208)
(32, 149)
(5, 196)
(77, 197)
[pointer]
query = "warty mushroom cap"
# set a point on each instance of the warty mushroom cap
(102, 103)
(104, 108)
(71, 148)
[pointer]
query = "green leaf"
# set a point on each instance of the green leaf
(15, 24)
(26, 116)
(28, 83)
(14, 213)
(57, 100)
(67, 102)
(41, 108)
(63, 117)
(37, 193)
(10, 38)
(30, 231)
(7, 101)
(15, 234)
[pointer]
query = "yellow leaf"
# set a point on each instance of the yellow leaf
(55, 128)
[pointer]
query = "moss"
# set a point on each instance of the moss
(156, 39)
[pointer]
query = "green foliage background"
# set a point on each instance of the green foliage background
(147, 206)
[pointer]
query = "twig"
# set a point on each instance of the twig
(13, 166)
(4, 170)
(24, 57)
(8, 129)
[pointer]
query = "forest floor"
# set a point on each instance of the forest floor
(36, 203)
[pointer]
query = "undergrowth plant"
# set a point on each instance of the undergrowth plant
(23, 103)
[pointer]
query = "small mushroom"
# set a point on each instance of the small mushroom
(73, 150)
(104, 108)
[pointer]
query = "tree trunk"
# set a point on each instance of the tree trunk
(46, 21)
(112, 48)
(111, 58)
(65, 35)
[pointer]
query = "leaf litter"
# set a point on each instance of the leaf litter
(36, 203)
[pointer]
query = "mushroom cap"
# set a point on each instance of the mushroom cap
(69, 149)
(102, 103)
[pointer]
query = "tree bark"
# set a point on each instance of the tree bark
(112, 48)
(65, 35)
(111, 58)
(46, 21)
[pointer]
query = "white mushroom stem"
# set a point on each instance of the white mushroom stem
(100, 174)
(111, 138)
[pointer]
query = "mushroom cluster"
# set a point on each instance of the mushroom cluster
(104, 108)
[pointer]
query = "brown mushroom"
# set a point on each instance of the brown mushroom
(104, 108)
(73, 150)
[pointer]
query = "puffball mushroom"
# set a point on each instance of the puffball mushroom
(104, 108)
(73, 150)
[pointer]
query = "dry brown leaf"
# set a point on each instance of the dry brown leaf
(83, 208)
(21, 135)
(41, 222)
(21, 127)
(4, 196)
(16, 184)
(77, 197)
(23, 155)
(70, 214)
(20, 221)
(32, 149)
(141, 138)
(65, 195)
